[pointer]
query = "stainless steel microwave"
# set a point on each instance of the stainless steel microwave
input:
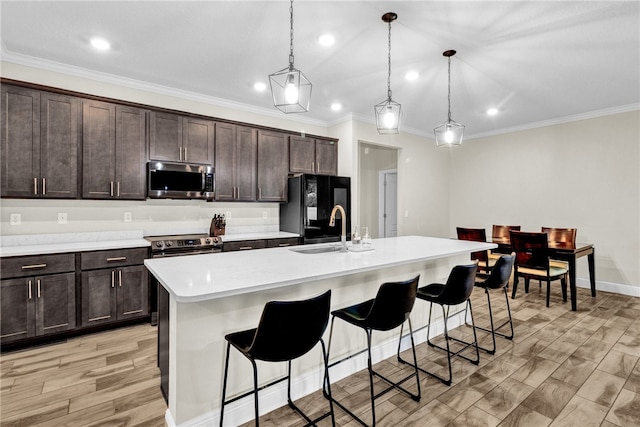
(168, 180)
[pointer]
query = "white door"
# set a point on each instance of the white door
(388, 204)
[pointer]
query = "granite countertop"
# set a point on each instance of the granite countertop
(36, 244)
(210, 276)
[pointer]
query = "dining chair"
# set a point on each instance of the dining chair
(287, 330)
(389, 309)
(456, 290)
(485, 263)
(567, 235)
(532, 262)
(501, 233)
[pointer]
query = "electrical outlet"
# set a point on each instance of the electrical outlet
(127, 217)
(16, 219)
(62, 217)
(227, 215)
(265, 214)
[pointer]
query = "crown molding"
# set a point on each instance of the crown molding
(98, 76)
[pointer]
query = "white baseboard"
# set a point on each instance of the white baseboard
(616, 288)
(273, 397)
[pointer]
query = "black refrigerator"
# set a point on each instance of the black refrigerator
(311, 199)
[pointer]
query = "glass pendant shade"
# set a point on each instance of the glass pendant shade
(291, 90)
(449, 134)
(388, 116)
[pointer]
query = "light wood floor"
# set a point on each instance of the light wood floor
(563, 369)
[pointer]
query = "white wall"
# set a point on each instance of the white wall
(583, 174)
(373, 159)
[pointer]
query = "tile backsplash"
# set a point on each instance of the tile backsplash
(154, 216)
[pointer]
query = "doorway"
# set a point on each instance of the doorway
(375, 160)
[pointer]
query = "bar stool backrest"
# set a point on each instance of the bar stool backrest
(392, 305)
(459, 285)
(500, 273)
(289, 329)
(531, 249)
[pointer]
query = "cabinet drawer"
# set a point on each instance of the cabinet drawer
(279, 243)
(37, 265)
(244, 245)
(112, 258)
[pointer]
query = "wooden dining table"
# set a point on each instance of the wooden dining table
(565, 251)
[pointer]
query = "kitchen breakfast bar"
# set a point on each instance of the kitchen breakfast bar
(208, 296)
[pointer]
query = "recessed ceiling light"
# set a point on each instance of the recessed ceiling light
(326, 40)
(259, 86)
(336, 106)
(412, 75)
(492, 111)
(100, 44)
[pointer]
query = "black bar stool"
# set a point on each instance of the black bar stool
(287, 330)
(498, 279)
(390, 309)
(456, 291)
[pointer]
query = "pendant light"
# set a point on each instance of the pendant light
(388, 111)
(449, 133)
(290, 89)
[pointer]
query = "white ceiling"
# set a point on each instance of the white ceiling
(539, 62)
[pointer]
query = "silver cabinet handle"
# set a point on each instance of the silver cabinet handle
(120, 278)
(118, 187)
(44, 186)
(117, 258)
(245, 248)
(30, 283)
(29, 267)
(38, 285)
(180, 154)
(282, 245)
(113, 278)
(318, 170)
(35, 186)
(111, 188)
(185, 153)
(259, 192)
(313, 166)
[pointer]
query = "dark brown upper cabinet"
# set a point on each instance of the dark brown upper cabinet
(113, 152)
(235, 162)
(181, 139)
(314, 156)
(40, 143)
(272, 166)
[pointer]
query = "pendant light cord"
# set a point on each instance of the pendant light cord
(291, 36)
(449, 91)
(389, 65)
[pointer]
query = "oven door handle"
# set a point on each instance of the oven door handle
(185, 253)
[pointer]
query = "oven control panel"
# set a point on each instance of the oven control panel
(176, 243)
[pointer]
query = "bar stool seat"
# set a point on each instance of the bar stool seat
(390, 309)
(287, 330)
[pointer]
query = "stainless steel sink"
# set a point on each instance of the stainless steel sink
(317, 250)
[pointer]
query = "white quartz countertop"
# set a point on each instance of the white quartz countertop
(202, 277)
(70, 242)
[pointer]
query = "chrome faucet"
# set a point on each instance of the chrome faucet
(332, 223)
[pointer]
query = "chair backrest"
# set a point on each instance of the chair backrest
(475, 235)
(459, 284)
(501, 271)
(392, 305)
(289, 329)
(560, 234)
(531, 249)
(502, 231)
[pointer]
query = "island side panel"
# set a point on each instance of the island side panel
(197, 344)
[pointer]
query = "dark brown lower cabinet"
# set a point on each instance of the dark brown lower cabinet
(113, 294)
(37, 305)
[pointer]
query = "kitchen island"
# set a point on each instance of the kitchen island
(209, 296)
